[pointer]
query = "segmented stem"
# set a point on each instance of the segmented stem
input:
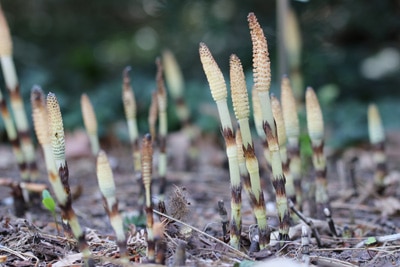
(280, 126)
(292, 126)
(147, 170)
(16, 101)
(105, 179)
(13, 138)
(175, 83)
(261, 69)
(162, 128)
(129, 101)
(242, 111)
(315, 125)
(219, 93)
(377, 140)
(90, 122)
(56, 131)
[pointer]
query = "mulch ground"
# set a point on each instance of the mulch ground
(367, 223)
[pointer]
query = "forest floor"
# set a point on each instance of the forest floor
(367, 223)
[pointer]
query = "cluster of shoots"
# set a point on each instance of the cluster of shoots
(278, 127)
(17, 128)
(49, 129)
(276, 123)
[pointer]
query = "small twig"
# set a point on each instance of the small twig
(19, 255)
(331, 262)
(238, 252)
(331, 224)
(308, 222)
(379, 239)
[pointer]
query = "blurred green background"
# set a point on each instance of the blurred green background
(350, 54)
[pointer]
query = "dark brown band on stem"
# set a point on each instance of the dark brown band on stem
(14, 94)
(163, 144)
(279, 185)
(236, 194)
(249, 151)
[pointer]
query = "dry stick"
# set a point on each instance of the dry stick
(59, 180)
(128, 99)
(162, 129)
(308, 221)
(219, 93)
(17, 104)
(280, 126)
(377, 140)
(315, 125)
(90, 122)
(292, 126)
(175, 83)
(147, 168)
(236, 251)
(105, 178)
(242, 112)
(330, 222)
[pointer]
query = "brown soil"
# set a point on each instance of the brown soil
(199, 182)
